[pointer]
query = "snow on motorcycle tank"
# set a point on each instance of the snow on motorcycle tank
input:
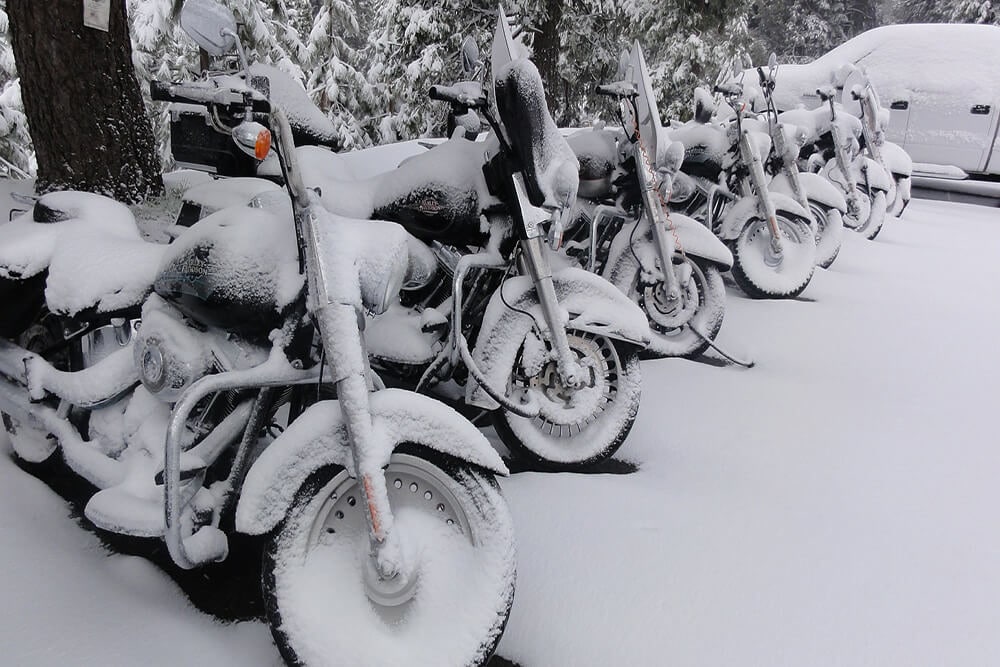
(704, 148)
(236, 269)
(597, 151)
(438, 194)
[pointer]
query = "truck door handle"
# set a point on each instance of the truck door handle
(901, 104)
(981, 109)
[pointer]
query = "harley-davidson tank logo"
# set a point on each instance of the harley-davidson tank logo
(429, 206)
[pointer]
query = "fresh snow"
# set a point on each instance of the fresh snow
(833, 505)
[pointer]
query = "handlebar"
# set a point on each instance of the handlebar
(202, 95)
(826, 93)
(619, 89)
(455, 95)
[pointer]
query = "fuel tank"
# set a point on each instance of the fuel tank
(437, 195)
(236, 269)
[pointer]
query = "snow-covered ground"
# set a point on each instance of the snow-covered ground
(837, 504)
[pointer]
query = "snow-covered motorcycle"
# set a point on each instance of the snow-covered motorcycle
(833, 150)
(668, 263)
(551, 353)
(723, 184)
(859, 94)
(386, 537)
(825, 204)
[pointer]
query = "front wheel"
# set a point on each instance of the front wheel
(829, 233)
(764, 273)
(324, 602)
(577, 426)
(679, 327)
(876, 217)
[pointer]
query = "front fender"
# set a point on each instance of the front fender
(591, 303)
(747, 209)
(319, 438)
(878, 179)
(817, 188)
(694, 238)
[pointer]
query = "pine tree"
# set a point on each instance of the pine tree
(689, 43)
(15, 141)
(414, 45)
(337, 87)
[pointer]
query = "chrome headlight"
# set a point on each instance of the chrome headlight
(169, 355)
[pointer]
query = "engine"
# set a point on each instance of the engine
(171, 354)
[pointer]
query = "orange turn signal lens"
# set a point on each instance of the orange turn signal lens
(263, 144)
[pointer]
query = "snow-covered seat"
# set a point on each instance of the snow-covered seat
(91, 249)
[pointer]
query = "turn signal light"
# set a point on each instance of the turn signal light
(263, 144)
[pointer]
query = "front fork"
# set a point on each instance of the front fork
(663, 239)
(850, 185)
(536, 264)
(751, 158)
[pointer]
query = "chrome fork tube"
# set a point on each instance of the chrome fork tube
(537, 266)
(752, 159)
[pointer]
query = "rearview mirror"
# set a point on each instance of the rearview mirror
(210, 25)
(772, 61)
(470, 56)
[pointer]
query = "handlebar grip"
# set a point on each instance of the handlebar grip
(162, 91)
(728, 89)
(621, 89)
(435, 93)
(454, 95)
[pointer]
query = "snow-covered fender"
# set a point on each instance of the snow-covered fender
(817, 188)
(319, 438)
(878, 178)
(591, 303)
(747, 208)
(694, 238)
(897, 160)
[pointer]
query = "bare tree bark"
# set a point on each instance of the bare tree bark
(85, 112)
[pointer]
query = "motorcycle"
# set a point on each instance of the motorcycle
(669, 264)
(860, 94)
(550, 353)
(833, 150)
(242, 401)
(723, 184)
(825, 204)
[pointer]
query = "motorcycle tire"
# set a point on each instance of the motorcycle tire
(702, 307)
(763, 274)
(565, 437)
(876, 217)
(829, 233)
(455, 530)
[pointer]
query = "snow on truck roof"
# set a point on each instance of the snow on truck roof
(904, 61)
(925, 57)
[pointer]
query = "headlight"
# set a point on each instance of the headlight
(169, 355)
(151, 366)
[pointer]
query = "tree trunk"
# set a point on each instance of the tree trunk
(546, 56)
(85, 113)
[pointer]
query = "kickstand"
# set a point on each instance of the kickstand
(711, 344)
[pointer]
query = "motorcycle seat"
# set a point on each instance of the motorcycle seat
(550, 169)
(100, 273)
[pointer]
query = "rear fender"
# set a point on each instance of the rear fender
(747, 209)
(590, 302)
(319, 438)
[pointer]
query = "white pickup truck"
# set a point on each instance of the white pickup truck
(941, 82)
